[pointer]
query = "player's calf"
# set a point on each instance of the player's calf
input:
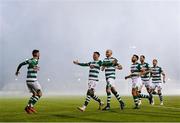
(107, 107)
(122, 105)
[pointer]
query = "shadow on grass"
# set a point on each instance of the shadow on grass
(63, 116)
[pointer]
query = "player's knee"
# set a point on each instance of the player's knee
(134, 92)
(91, 92)
(34, 94)
(159, 92)
(108, 90)
(113, 91)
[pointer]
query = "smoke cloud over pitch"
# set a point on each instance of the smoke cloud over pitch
(66, 30)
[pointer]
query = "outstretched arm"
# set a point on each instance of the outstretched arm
(81, 64)
(19, 67)
(127, 77)
(134, 74)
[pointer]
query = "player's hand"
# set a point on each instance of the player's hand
(150, 70)
(17, 73)
(119, 67)
(76, 62)
(36, 68)
(92, 66)
(102, 69)
(126, 77)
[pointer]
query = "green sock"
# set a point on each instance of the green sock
(143, 96)
(88, 98)
(34, 100)
(136, 99)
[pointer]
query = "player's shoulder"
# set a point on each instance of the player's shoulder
(159, 67)
(29, 60)
(147, 63)
(99, 61)
(139, 64)
(113, 58)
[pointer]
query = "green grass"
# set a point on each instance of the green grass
(62, 109)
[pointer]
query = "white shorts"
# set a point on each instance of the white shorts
(92, 84)
(34, 87)
(136, 83)
(147, 84)
(110, 82)
(156, 85)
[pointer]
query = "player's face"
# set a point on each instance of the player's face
(37, 55)
(134, 59)
(142, 59)
(154, 62)
(95, 56)
(108, 53)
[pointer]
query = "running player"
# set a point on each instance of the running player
(156, 77)
(94, 68)
(136, 73)
(110, 71)
(146, 77)
(32, 83)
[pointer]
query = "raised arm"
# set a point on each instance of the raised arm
(19, 67)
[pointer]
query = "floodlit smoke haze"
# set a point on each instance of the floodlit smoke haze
(66, 30)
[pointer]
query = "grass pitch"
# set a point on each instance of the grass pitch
(64, 109)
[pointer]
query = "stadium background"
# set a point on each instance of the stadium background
(66, 30)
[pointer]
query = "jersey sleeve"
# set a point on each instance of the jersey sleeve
(107, 64)
(148, 67)
(139, 67)
(22, 64)
(116, 62)
(85, 64)
(100, 63)
(160, 70)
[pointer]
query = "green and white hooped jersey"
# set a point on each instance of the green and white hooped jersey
(135, 70)
(93, 72)
(146, 67)
(110, 70)
(156, 72)
(32, 70)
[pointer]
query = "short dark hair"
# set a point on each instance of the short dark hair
(143, 56)
(34, 52)
(97, 53)
(155, 60)
(136, 56)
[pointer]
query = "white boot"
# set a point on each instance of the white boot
(101, 104)
(82, 109)
(152, 102)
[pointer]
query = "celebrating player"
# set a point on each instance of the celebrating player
(32, 83)
(146, 77)
(156, 73)
(93, 80)
(110, 70)
(136, 73)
